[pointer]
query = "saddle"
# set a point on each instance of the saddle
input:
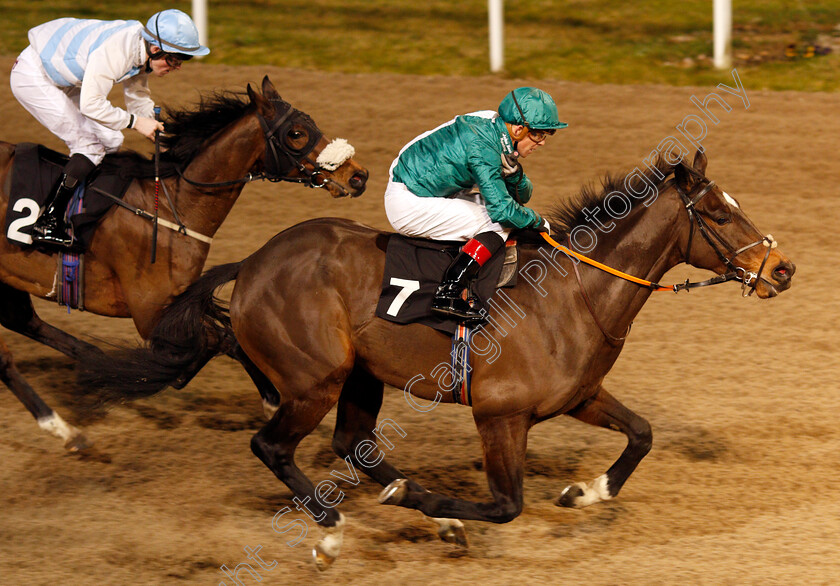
(414, 268)
(35, 170)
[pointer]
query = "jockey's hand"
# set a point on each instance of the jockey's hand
(510, 165)
(147, 127)
(544, 227)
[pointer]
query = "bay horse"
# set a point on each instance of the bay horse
(302, 308)
(215, 150)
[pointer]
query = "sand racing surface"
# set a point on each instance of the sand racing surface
(742, 484)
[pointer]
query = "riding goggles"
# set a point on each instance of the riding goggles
(174, 60)
(540, 135)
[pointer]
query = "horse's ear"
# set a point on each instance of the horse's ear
(700, 162)
(268, 89)
(264, 107)
(682, 176)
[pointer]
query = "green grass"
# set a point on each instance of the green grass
(649, 41)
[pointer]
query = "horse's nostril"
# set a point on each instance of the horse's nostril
(783, 272)
(357, 181)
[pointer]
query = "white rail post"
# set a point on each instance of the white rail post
(199, 16)
(723, 34)
(496, 18)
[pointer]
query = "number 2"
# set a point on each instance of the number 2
(23, 204)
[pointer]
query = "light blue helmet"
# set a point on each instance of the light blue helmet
(531, 107)
(174, 32)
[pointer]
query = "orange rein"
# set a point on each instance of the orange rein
(649, 284)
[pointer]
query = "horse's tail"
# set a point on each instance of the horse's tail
(194, 328)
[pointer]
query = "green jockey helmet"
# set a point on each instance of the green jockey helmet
(531, 107)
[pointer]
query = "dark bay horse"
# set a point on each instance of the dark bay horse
(214, 149)
(302, 308)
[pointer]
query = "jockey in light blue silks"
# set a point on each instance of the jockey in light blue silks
(431, 189)
(63, 78)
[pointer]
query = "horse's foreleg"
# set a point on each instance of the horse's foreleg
(47, 419)
(358, 409)
(18, 315)
(604, 410)
(504, 441)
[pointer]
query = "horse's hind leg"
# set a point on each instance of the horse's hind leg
(504, 440)
(18, 315)
(604, 410)
(275, 444)
(358, 409)
(47, 419)
(269, 394)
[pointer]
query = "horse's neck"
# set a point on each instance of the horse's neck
(227, 157)
(643, 244)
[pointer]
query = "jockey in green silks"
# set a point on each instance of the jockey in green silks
(432, 188)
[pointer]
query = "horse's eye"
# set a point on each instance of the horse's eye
(295, 134)
(723, 220)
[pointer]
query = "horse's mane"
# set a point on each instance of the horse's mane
(188, 130)
(186, 133)
(565, 216)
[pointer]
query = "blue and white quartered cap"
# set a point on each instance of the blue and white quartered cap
(174, 32)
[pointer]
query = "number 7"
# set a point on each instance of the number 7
(408, 287)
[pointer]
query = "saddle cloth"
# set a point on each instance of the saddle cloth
(414, 267)
(35, 171)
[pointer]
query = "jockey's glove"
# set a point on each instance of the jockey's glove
(544, 227)
(510, 165)
(147, 126)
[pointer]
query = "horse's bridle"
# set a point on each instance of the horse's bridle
(280, 159)
(749, 280)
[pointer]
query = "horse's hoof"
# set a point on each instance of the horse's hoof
(452, 531)
(581, 495)
(326, 551)
(322, 559)
(570, 495)
(394, 493)
(77, 443)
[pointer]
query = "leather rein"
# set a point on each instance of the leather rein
(279, 161)
(748, 280)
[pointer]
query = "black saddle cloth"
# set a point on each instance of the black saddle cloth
(414, 268)
(36, 170)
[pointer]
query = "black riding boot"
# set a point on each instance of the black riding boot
(51, 228)
(448, 301)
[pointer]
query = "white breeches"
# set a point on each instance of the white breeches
(57, 108)
(439, 218)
